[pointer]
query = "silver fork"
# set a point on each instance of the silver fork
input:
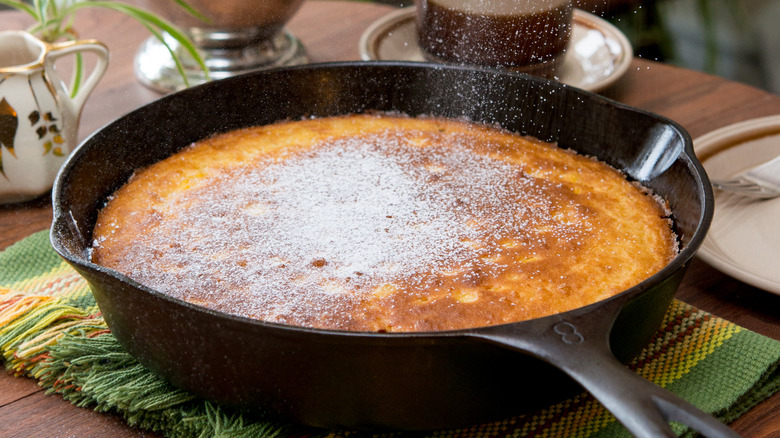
(762, 181)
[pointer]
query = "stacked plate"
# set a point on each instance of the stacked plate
(744, 239)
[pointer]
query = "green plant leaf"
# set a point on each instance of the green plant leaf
(152, 22)
(42, 14)
(177, 62)
(184, 5)
(78, 76)
(21, 6)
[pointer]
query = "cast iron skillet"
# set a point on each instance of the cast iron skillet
(408, 380)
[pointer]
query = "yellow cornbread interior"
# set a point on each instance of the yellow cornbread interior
(381, 222)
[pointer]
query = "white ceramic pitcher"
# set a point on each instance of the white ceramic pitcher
(38, 117)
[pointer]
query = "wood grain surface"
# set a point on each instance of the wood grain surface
(330, 32)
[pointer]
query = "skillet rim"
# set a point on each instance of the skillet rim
(687, 252)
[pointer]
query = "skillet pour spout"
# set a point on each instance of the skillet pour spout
(397, 381)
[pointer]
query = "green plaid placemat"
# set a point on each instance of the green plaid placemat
(51, 330)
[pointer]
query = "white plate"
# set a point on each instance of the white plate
(744, 239)
(598, 53)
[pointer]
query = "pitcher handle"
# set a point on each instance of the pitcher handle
(58, 50)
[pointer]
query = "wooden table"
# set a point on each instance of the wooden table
(330, 31)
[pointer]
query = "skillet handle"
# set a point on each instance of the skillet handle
(579, 346)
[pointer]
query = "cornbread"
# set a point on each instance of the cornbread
(381, 222)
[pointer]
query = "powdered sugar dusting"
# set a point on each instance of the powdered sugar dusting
(314, 236)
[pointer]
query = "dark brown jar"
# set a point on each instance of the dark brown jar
(526, 35)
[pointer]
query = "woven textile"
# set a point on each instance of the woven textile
(51, 330)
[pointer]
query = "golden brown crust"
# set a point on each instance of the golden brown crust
(379, 222)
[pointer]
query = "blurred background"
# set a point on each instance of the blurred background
(735, 39)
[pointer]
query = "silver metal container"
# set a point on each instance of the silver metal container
(240, 36)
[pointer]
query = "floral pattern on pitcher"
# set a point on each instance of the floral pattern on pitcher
(9, 122)
(45, 126)
(48, 132)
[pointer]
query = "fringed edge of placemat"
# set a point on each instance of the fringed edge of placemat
(31, 323)
(72, 353)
